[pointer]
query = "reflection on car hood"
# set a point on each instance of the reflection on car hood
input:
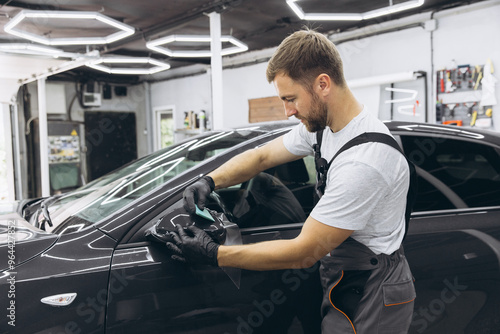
(21, 240)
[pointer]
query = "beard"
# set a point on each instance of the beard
(316, 120)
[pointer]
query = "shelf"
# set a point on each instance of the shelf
(460, 97)
(190, 131)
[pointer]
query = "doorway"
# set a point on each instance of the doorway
(164, 127)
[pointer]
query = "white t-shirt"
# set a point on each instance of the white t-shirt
(366, 185)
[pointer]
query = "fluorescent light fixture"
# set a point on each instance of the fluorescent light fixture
(352, 16)
(98, 64)
(156, 45)
(296, 9)
(31, 49)
(392, 9)
(124, 29)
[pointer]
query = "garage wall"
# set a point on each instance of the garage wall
(405, 50)
(464, 34)
(185, 94)
(470, 36)
(241, 85)
(385, 54)
(474, 39)
(194, 93)
(7, 188)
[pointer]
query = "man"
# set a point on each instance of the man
(356, 228)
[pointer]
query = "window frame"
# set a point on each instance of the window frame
(461, 210)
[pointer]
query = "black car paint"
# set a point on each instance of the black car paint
(128, 286)
(454, 254)
(30, 243)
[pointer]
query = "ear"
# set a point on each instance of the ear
(323, 84)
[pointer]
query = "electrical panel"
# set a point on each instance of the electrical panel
(91, 99)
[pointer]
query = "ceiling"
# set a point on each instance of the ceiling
(260, 24)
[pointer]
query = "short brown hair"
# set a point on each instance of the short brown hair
(303, 56)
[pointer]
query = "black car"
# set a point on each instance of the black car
(84, 262)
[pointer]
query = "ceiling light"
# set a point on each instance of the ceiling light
(353, 16)
(392, 9)
(31, 49)
(124, 29)
(156, 45)
(98, 64)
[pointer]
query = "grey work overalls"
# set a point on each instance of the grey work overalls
(365, 293)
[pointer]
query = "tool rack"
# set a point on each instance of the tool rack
(459, 92)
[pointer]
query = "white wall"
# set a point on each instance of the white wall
(194, 93)
(240, 85)
(185, 94)
(395, 52)
(470, 37)
(467, 34)
(464, 35)
(405, 50)
(7, 192)
(8, 89)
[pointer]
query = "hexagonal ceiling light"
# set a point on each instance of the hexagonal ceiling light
(158, 65)
(353, 16)
(124, 29)
(31, 49)
(156, 45)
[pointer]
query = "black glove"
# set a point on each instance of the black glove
(197, 193)
(197, 248)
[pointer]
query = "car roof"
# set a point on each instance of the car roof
(400, 128)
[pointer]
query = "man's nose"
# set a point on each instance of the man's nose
(289, 110)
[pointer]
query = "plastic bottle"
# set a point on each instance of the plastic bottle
(186, 120)
(202, 117)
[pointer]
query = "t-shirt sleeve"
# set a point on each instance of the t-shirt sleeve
(299, 141)
(352, 192)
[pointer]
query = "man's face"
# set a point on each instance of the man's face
(301, 103)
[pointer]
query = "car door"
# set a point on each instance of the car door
(158, 294)
(453, 242)
(63, 289)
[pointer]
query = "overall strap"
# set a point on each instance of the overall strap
(366, 138)
(321, 167)
(361, 139)
(317, 151)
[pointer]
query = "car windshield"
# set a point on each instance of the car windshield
(102, 197)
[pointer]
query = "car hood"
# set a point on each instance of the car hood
(20, 241)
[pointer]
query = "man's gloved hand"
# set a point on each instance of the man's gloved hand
(197, 193)
(198, 248)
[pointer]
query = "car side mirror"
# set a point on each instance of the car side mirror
(210, 221)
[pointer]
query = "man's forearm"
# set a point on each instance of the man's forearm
(239, 169)
(314, 241)
(246, 165)
(268, 255)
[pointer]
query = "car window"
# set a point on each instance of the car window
(460, 168)
(114, 191)
(430, 198)
(280, 195)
